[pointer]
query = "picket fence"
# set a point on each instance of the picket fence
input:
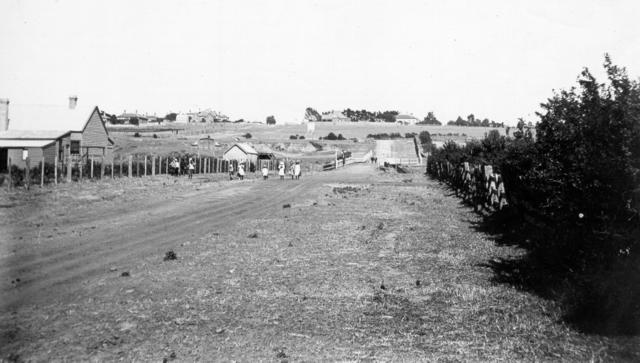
(476, 184)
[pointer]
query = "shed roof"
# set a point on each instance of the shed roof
(262, 149)
(248, 149)
(18, 143)
(47, 117)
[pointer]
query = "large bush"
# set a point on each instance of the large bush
(578, 183)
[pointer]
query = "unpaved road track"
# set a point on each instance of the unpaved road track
(106, 237)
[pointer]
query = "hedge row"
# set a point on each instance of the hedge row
(576, 185)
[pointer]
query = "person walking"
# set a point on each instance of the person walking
(281, 170)
(191, 168)
(265, 172)
(230, 171)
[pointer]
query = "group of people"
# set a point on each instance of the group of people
(176, 169)
(295, 171)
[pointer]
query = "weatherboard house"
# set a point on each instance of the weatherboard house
(406, 119)
(79, 134)
(241, 152)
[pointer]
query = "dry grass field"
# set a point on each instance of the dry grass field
(350, 265)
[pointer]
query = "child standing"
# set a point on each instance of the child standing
(241, 171)
(265, 172)
(191, 168)
(281, 170)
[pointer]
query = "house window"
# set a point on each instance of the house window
(75, 147)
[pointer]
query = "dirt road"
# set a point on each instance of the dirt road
(84, 245)
(361, 264)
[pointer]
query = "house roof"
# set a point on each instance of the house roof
(406, 117)
(19, 143)
(32, 134)
(49, 117)
(262, 149)
(248, 149)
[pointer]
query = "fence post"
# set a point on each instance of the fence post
(102, 168)
(130, 170)
(91, 176)
(27, 173)
(55, 170)
(111, 166)
(160, 165)
(121, 163)
(166, 170)
(80, 169)
(153, 165)
(9, 169)
(69, 167)
(137, 167)
(42, 173)
(145, 165)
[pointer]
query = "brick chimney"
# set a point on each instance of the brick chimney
(4, 114)
(73, 102)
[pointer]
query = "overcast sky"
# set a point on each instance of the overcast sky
(251, 59)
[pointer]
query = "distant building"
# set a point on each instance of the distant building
(204, 116)
(206, 143)
(241, 152)
(132, 119)
(81, 135)
(406, 119)
(335, 116)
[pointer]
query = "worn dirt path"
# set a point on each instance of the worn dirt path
(88, 244)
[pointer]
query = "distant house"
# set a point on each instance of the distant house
(132, 119)
(81, 135)
(206, 143)
(183, 118)
(334, 116)
(406, 119)
(241, 152)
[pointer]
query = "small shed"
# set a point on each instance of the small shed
(241, 152)
(265, 156)
(206, 143)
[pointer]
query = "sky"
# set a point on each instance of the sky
(251, 59)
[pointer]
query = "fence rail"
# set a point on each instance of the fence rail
(476, 184)
(128, 166)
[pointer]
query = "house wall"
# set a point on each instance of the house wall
(95, 139)
(235, 153)
(94, 133)
(35, 155)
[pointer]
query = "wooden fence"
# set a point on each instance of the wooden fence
(37, 172)
(478, 185)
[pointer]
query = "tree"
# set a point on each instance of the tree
(331, 136)
(312, 115)
(425, 140)
(430, 119)
(271, 120)
(171, 116)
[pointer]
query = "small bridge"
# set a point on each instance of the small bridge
(398, 152)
